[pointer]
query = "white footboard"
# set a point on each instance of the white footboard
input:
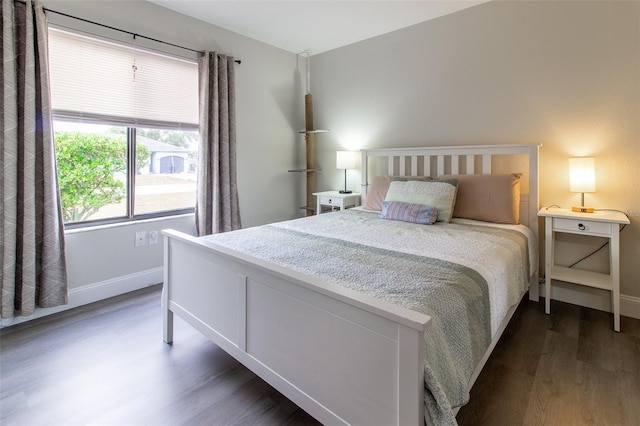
(343, 357)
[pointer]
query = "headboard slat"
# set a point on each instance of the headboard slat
(486, 164)
(470, 166)
(455, 162)
(440, 165)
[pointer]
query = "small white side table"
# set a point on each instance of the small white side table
(336, 200)
(604, 224)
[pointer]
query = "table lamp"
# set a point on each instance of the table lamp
(582, 178)
(345, 160)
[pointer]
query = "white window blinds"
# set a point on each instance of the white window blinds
(96, 80)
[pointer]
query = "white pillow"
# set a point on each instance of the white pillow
(440, 194)
(378, 190)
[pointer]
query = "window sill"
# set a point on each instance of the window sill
(76, 229)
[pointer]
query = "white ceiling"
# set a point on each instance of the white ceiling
(314, 25)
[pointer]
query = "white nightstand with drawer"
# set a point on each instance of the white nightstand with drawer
(336, 200)
(604, 224)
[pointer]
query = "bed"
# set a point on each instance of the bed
(363, 320)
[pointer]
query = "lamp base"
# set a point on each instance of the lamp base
(582, 209)
(342, 191)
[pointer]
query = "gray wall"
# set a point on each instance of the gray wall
(564, 73)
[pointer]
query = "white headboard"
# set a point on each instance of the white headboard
(472, 159)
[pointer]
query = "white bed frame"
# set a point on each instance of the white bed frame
(343, 357)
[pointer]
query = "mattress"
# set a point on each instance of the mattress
(465, 275)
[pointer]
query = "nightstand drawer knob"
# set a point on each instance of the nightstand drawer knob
(581, 227)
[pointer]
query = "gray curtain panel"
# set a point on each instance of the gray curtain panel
(31, 227)
(217, 208)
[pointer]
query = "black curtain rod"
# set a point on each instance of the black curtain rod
(237, 61)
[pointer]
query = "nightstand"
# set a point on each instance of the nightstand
(604, 224)
(336, 200)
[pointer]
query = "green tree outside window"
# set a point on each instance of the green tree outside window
(92, 171)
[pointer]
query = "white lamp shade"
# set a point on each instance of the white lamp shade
(345, 160)
(582, 174)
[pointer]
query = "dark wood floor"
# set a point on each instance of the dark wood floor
(106, 364)
(567, 368)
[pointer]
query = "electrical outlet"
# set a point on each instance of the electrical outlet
(141, 237)
(153, 237)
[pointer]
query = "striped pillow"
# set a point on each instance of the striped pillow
(406, 212)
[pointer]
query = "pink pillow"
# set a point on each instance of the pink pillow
(490, 198)
(377, 192)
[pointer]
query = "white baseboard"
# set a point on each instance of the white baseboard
(593, 298)
(94, 292)
(630, 306)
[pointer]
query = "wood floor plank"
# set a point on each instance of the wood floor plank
(499, 397)
(522, 341)
(611, 351)
(565, 318)
(598, 408)
(553, 394)
(106, 364)
(628, 385)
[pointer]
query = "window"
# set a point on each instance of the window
(166, 178)
(125, 129)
